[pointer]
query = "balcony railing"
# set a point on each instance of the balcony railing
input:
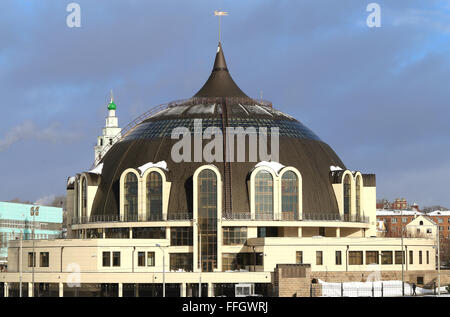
(226, 216)
(294, 217)
(131, 218)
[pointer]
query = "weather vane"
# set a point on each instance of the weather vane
(219, 14)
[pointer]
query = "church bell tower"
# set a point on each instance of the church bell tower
(110, 133)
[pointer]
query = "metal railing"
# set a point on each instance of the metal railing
(225, 216)
(294, 217)
(131, 218)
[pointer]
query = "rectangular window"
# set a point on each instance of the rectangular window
(355, 258)
(237, 261)
(181, 236)
(44, 259)
(322, 231)
(181, 262)
(106, 258)
(399, 257)
(404, 220)
(116, 258)
(420, 257)
(299, 257)
(31, 259)
(394, 220)
(386, 257)
(141, 258)
(428, 257)
(117, 233)
(372, 257)
(150, 258)
(234, 235)
(338, 257)
(149, 233)
(440, 220)
(411, 257)
(319, 258)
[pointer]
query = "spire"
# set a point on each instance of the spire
(112, 105)
(220, 83)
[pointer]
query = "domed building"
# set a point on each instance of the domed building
(223, 191)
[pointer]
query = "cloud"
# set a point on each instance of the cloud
(29, 131)
(45, 201)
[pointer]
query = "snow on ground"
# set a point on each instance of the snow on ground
(161, 164)
(364, 289)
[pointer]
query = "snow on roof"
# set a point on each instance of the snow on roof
(145, 167)
(439, 213)
(273, 165)
(335, 168)
(97, 170)
(71, 180)
(383, 212)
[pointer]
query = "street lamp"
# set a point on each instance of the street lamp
(34, 211)
(164, 269)
(403, 255)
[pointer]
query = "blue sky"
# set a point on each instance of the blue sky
(378, 96)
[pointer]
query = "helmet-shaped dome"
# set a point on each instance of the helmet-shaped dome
(220, 103)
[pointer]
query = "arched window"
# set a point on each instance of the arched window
(289, 196)
(131, 197)
(154, 196)
(207, 219)
(347, 197)
(358, 196)
(83, 198)
(264, 195)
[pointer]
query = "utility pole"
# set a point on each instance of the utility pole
(164, 269)
(20, 264)
(438, 259)
(403, 255)
(34, 211)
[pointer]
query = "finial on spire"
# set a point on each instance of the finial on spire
(112, 105)
(219, 14)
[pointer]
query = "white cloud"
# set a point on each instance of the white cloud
(29, 131)
(45, 201)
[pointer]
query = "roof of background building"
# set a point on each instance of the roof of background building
(439, 213)
(15, 211)
(383, 212)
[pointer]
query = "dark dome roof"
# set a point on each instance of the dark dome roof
(220, 102)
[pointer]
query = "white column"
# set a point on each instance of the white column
(338, 232)
(120, 289)
(210, 290)
(61, 290)
(6, 289)
(30, 289)
(300, 232)
(183, 290)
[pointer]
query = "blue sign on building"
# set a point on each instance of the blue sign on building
(16, 221)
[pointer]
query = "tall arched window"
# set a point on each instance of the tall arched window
(358, 196)
(207, 219)
(264, 195)
(289, 196)
(154, 196)
(83, 198)
(131, 197)
(347, 197)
